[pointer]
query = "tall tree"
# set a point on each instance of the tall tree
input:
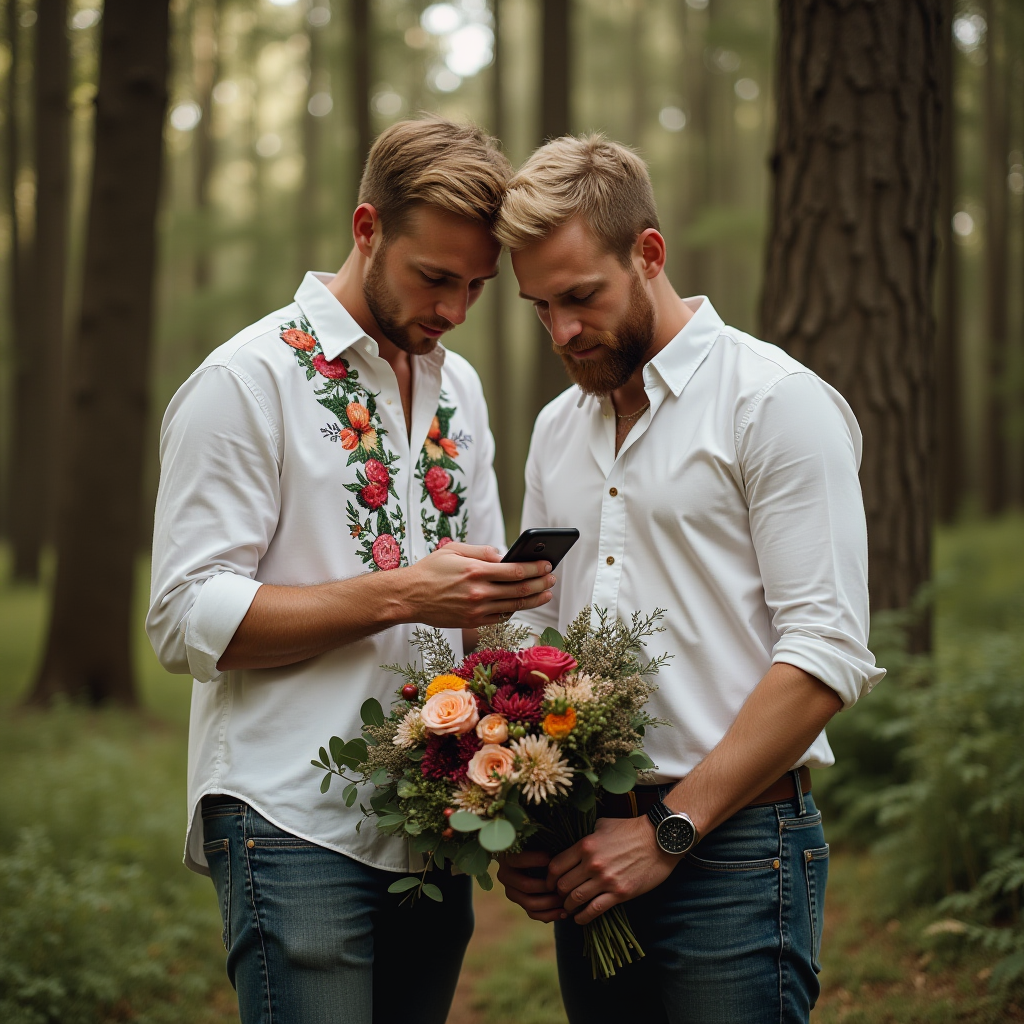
(995, 484)
(88, 649)
(27, 488)
(851, 250)
(309, 194)
(53, 183)
(360, 34)
(636, 69)
(949, 421)
(549, 377)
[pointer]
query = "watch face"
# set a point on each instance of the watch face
(675, 834)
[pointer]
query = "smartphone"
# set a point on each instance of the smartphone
(550, 545)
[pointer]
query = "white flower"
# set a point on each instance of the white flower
(539, 769)
(410, 730)
(470, 797)
(576, 689)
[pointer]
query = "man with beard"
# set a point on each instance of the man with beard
(713, 476)
(326, 483)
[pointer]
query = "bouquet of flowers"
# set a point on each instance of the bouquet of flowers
(507, 747)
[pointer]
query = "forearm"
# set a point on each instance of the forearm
(285, 625)
(778, 722)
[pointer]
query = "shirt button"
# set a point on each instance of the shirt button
(387, 401)
(251, 843)
(610, 560)
(613, 491)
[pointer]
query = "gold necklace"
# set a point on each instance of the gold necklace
(633, 415)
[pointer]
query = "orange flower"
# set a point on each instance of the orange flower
(435, 429)
(451, 449)
(361, 433)
(349, 439)
(559, 726)
(358, 415)
(298, 339)
(447, 682)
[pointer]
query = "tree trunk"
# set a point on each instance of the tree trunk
(27, 488)
(309, 194)
(361, 34)
(549, 377)
(88, 650)
(693, 183)
(851, 251)
(949, 421)
(206, 48)
(995, 485)
(53, 181)
(637, 75)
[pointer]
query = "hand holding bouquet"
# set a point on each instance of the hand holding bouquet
(506, 747)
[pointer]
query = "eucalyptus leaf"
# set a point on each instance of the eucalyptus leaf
(515, 814)
(325, 783)
(414, 828)
(404, 884)
(322, 767)
(380, 777)
(583, 797)
(337, 746)
(324, 758)
(465, 821)
(390, 819)
(497, 835)
(357, 749)
(592, 776)
(472, 858)
(485, 882)
(406, 788)
(640, 760)
(350, 793)
(424, 842)
(415, 755)
(619, 777)
(433, 892)
(552, 638)
(371, 712)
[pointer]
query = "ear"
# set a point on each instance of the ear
(366, 229)
(649, 253)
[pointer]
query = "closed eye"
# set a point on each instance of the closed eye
(583, 298)
(432, 280)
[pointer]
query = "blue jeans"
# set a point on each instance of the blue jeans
(304, 927)
(732, 936)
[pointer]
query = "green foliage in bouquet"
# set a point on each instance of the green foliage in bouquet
(507, 747)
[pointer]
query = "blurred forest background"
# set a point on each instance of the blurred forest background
(168, 175)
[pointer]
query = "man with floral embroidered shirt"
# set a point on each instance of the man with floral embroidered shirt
(327, 483)
(715, 477)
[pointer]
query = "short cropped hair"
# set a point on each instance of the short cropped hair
(430, 160)
(603, 182)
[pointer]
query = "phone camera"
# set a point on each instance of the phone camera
(538, 547)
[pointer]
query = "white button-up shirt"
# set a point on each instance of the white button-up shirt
(734, 504)
(285, 460)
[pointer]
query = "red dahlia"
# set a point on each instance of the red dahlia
(504, 666)
(446, 757)
(377, 472)
(374, 495)
(446, 502)
(437, 479)
(518, 705)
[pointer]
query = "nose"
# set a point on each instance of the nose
(453, 308)
(563, 328)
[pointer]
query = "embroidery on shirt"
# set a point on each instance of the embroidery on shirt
(435, 468)
(360, 432)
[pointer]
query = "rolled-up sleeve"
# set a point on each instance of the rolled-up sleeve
(217, 509)
(799, 449)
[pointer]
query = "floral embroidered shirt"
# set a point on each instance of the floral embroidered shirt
(285, 459)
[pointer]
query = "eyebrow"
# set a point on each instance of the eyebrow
(593, 282)
(442, 272)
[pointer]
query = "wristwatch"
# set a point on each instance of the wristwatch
(673, 830)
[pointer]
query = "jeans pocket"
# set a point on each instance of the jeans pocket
(218, 856)
(816, 868)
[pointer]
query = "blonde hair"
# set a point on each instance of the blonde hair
(430, 160)
(603, 182)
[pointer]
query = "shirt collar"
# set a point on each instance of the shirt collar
(334, 326)
(677, 362)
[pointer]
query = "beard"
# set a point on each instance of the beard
(386, 309)
(624, 350)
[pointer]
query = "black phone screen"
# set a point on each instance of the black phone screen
(547, 544)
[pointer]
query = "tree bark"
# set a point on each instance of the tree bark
(995, 443)
(53, 183)
(361, 29)
(27, 488)
(309, 194)
(549, 377)
(88, 649)
(851, 251)
(948, 405)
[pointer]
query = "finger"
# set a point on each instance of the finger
(538, 904)
(565, 861)
(582, 894)
(596, 907)
(527, 883)
(548, 916)
(576, 878)
(526, 859)
(510, 607)
(481, 552)
(509, 572)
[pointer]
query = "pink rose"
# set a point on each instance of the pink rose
(437, 479)
(334, 368)
(386, 552)
(488, 764)
(548, 661)
(377, 472)
(450, 711)
(492, 729)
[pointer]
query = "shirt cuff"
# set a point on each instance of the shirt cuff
(833, 657)
(221, 605)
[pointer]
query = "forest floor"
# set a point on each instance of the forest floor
(96, 800)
